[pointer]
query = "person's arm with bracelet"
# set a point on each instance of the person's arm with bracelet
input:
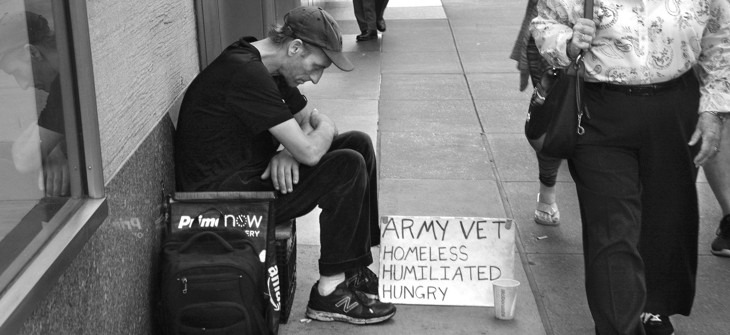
(714, 71)
(560, 33)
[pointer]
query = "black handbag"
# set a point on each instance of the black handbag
(554, 118)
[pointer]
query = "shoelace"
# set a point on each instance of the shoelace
(360, 296)
(369, 275)
(363, 276)
(650, 318)
(355, 279)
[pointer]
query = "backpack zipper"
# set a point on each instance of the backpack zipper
(184, 282)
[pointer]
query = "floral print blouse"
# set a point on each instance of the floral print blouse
(645, 41)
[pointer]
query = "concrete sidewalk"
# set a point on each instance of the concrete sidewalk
(439, 94)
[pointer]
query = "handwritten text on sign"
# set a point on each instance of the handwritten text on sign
(430, 260)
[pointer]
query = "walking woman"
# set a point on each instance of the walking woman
(652, 124)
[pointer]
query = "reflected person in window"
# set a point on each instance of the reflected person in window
(32, 59)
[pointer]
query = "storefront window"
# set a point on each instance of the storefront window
(51, 186)
(34, 170)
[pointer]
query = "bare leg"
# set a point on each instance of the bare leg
(547, 194)
(546, 211)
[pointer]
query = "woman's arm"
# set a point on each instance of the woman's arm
(714, 70)
(714, 61)
(552, 29)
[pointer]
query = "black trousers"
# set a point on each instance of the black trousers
(635, 179)
(365, 14)
(380, 7)
(345, 186)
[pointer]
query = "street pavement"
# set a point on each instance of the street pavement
(439, 95)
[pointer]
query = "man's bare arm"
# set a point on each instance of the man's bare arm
(307, 147)
(306, 139)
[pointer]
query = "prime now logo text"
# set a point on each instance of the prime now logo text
(229, 221)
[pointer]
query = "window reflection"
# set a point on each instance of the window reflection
(34, 170)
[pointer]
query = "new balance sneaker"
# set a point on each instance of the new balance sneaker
(347, 305)
(655, 324)
(721, 244)
(363, 280)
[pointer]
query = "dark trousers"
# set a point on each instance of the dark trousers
(367, 12)
(345, 186)
(635, 179)
(380, 8)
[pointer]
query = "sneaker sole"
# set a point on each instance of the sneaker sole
(328, 316)
(721, 253)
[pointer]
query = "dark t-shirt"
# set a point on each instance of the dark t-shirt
(51, 117)
(225, 116)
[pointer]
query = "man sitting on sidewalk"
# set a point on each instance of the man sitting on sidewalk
(233, 118)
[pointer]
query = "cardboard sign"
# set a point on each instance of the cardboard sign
(427, 260)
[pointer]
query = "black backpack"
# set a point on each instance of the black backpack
(212, 283)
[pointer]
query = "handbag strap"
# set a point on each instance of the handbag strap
(580, 70)
(588, 10)
(588, 14)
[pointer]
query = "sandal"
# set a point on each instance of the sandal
(547, 214)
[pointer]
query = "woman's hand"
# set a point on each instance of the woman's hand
(584, 31)
(709, 130)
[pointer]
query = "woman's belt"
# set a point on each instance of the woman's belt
(645, 90)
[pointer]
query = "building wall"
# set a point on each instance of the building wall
(144, 56)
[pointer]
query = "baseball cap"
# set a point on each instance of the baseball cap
(313, 25)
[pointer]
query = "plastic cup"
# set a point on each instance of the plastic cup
(505, 298)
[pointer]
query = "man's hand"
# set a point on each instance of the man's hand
(317, 119)
(284, 172)
(307, 127)
(55, 173)
(709, 129)
(307, 137)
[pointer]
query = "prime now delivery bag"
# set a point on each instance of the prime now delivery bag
(232, 216)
